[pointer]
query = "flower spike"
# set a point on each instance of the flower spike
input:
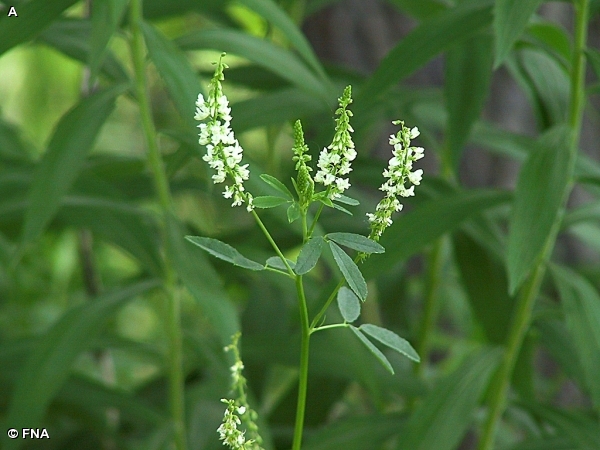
(223, 151)
(335, 160)
(397, 173)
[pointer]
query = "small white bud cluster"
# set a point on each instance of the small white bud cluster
(334, 164)
(223, 151)
(399, 170)
(228, 430)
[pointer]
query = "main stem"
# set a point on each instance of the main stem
(161, 183)
(303, 376)
(530, 291)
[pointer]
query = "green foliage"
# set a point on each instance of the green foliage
(121, 265)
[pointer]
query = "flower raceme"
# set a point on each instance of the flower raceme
(398, 173)
(223, 151)
(335, 160)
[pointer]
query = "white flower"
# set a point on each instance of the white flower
(223, 151)
(398, 172)
(202, 110)
(334, 160)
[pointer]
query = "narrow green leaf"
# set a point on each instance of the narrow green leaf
(106, 16)
(34, 17)
(546, 83)
(350, 271)
(203, 282)
(175, 70)
(49, 365)
(380, 356)
(273, 13)
(538, 200)
(426, 223)
(262, 52)
(340, 208)
(356, 242)
(431, 37)
(391, 340)
(552, 37)
(293, 212)
(277, 185)
(349, 304)
(517, 146)
(309, 255)
(275, 261)
(224, 251)
(268, 201)
(468, 71)
(347, 200)
(589, 212)
(443, 417)
(73, 138)
(581, 304)
(485, 281)
(510, 19)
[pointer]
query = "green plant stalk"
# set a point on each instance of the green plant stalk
(305, 333)
(315, 220)
(161, 183)
(303, 375)
(261, 225)
(501, 381)
(530, 291)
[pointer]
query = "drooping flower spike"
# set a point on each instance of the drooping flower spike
(335, 160)
(398, 173)
(223, 151)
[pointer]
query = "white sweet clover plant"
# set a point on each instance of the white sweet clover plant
(224, 155)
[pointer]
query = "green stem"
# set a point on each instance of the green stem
(530, 291)
(323, 310)
(431, 306)
(501, 382)
(315, 220)
(273, 244)
(161, 183)
(303, 376)
(359, 257)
